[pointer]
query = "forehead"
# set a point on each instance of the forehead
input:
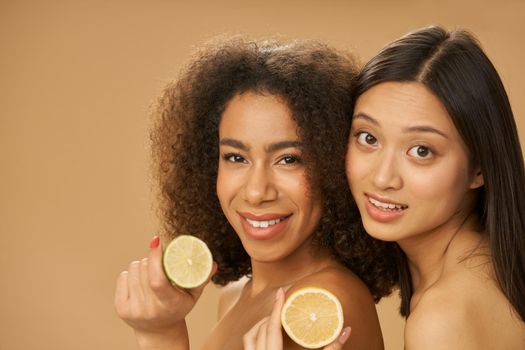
(404, 103)
(254, 116)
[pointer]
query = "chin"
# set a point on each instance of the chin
(265, 258)
(262, 255)
(381, 233)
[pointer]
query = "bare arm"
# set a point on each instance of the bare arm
(441, 325)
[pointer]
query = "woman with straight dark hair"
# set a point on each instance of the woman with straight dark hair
(434, 164)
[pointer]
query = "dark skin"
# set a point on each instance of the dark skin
(257, 176)
(285, 261)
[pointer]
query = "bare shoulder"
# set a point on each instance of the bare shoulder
(440, 322)
(229, 294)
(357, 302)
(342, 282)
(464, 313)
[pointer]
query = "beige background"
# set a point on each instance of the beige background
(76, 82)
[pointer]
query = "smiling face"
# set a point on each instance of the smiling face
(407, 166)
(262, 185)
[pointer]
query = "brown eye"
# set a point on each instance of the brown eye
(422, 152)
(234, 158)
(289, 159)
(366, 138)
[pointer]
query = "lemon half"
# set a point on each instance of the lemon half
(312, 317)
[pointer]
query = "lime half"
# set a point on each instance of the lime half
(187, 261)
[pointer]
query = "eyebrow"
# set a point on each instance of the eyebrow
(282, 145)
(270, 148)
(424, 128)
(417, 128)
(234, 143)
(365, 117)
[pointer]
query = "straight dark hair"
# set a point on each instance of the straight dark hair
(455, 68)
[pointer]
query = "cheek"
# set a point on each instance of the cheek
(296, 187)
(355, 168)
(442, 187)
(230, 185)
(292, 185)
(224, 185)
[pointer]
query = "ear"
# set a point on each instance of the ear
(477, 180)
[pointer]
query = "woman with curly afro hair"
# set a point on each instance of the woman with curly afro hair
(249, 146)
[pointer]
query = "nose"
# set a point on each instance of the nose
(387, 175)
(259, 186)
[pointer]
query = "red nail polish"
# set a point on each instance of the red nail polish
(154, 242)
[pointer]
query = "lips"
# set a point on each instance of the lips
(263, 226)
(386, 204)
(382, 209)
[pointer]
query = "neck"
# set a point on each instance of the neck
(429, 254)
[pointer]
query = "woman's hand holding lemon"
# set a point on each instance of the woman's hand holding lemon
(324, 322)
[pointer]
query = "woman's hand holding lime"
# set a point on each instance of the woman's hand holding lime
(147, 301)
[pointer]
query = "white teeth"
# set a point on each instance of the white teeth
(384, 205)
(263, 224)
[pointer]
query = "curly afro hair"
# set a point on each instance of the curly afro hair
(317, 83)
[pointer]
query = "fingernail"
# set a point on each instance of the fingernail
(154, 242)
(279, 293)
(344, 335)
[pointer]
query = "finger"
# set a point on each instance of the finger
(144, 277)
(250, 338)
(121, 292)
(157, 280)
(274, 324)
(340, 341)
(261, 335)
(134, 287)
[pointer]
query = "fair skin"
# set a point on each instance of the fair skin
(265, 195)
(409, 171)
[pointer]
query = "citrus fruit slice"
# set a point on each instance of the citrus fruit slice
(187, 261)
(312, 317)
